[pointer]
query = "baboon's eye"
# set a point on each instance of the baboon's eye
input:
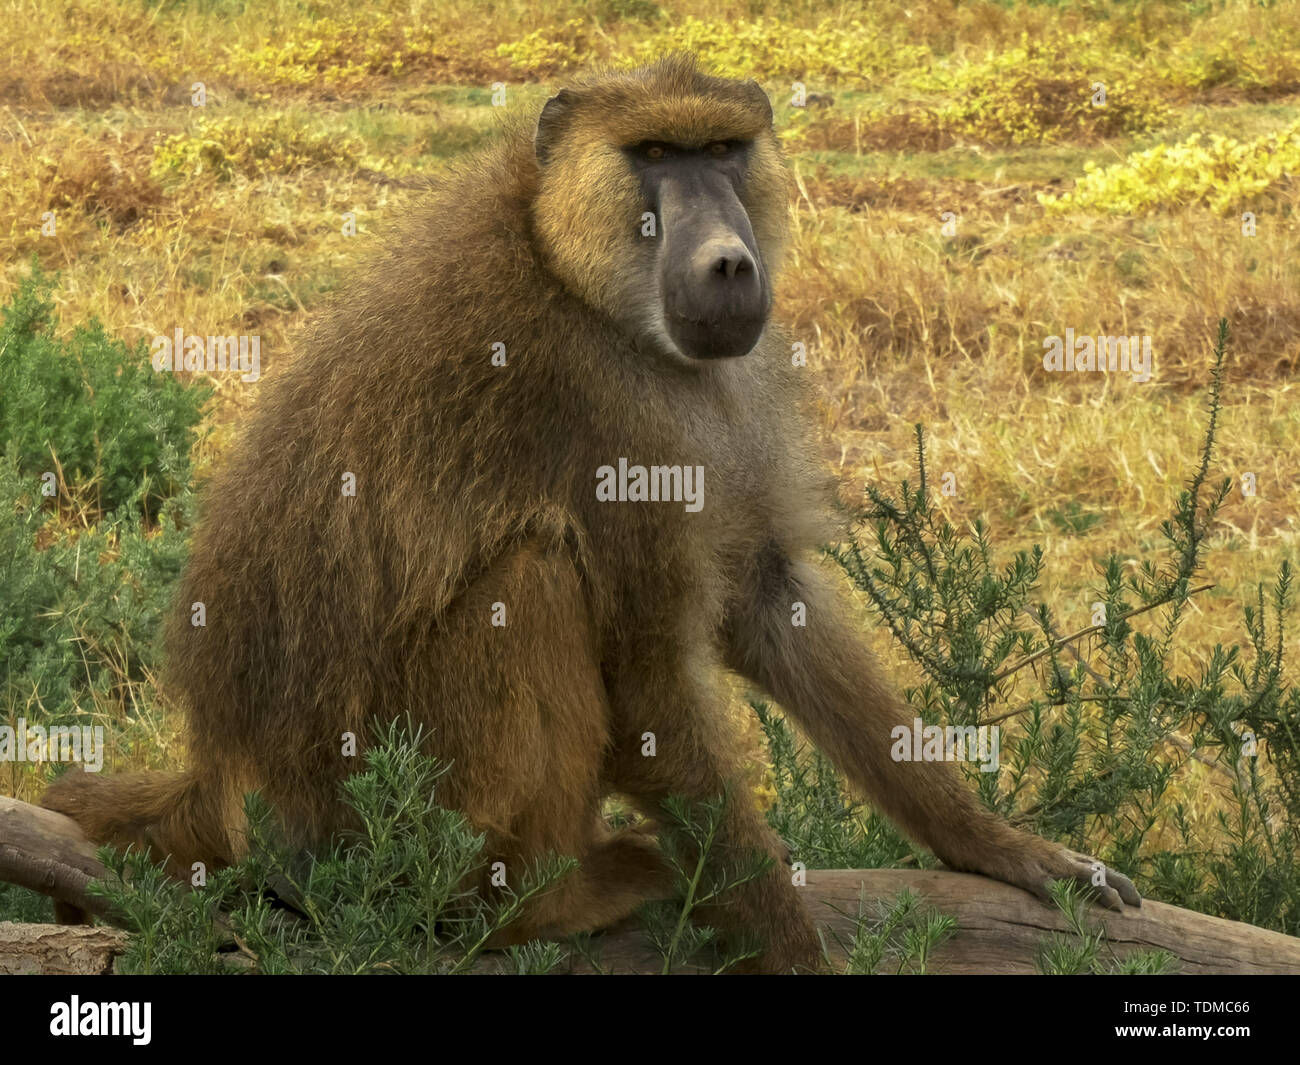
(719, 148)
(655, 151)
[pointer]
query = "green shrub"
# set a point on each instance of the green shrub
(81, 600)
(1086, 951)
(897, 938)
(687, 834)
(398, 894)
(394, 896)
(79, 627)
(813, 813)
(90, 410)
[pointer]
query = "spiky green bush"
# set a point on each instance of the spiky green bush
(86, 572)
(90, 410)
(396, 895)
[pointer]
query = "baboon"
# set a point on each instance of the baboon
(584, 487)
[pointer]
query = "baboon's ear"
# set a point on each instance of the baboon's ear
(755, 92)
(550, 126)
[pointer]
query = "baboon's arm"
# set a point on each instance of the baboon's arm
(827, 680)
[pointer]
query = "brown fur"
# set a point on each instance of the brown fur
(475, 485)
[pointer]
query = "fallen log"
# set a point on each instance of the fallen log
(1000, 928)
(59, 950)
(46, 852)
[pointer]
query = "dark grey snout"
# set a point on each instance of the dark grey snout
(715, 293)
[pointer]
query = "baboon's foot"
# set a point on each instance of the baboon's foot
(615, 878)
(769, 914)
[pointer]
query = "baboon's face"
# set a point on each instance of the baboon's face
(710, 278)
(663, 202)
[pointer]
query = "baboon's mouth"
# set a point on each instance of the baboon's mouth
(715, 338)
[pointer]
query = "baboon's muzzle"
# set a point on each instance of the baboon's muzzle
(715, 295)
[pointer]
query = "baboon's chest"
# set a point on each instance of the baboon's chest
(679, 511)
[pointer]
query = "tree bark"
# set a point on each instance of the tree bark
(46, 852)
(52, 950)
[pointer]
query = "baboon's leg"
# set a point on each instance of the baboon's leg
(696, 756)
(523, 718)
(823, 675)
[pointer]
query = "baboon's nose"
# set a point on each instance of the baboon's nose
(726, 283)
(723, 260)
(732, 262)
(717, 306)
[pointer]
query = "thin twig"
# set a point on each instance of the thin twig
(1089, 630)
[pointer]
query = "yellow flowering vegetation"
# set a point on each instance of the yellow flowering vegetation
(1260, 66)
(544, 53)
(252, 146)
(764, 48)
(1221, 173)
(1044, 92)
(345, 50)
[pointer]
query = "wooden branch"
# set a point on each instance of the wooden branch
(46, 852)
(52, 950)
(999, 928)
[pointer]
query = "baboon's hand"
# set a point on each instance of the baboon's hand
(1113, 889)
(1033, 864)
